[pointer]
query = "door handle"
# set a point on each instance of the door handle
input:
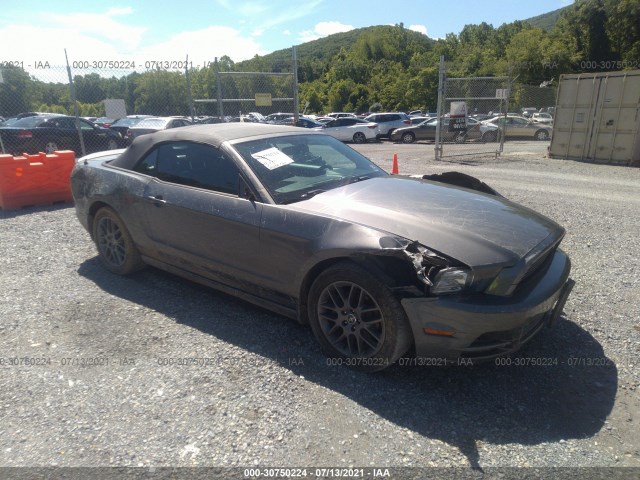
(157, 200)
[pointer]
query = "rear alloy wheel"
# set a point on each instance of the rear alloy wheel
(359, 137)
(460, 138)
(116, 249)
(542, 135)
(490, 137)
(51, 146)
(408, 137)
(357, 320)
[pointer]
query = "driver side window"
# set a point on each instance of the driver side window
(192, 164)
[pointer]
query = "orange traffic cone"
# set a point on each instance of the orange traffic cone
(394, 169)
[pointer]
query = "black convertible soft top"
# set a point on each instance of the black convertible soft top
(214, 134)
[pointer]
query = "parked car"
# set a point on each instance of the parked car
(104, 121)
(528, 111)
(324, 119)
(276, 117)
(427, 131)
(304, 122)
(209, 120)
(542, 118)
(297, 222)
(256, 117)
(155, 124)
(341, 115)
(388, 122)
(418, 120)
(520, 127)
(415, 113)
(50, 132)
(123, 124)
(350, 129)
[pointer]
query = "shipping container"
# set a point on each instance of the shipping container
(597, 118)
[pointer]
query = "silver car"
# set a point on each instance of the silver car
(521, 127)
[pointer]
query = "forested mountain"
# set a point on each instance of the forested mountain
(546, 21)
(380, 67)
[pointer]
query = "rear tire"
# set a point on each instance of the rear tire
(359, 137)
(50, 146)
(116, 249)
(542, 135)
(490, 137)
(357, 320)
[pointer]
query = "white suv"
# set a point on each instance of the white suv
(388, 122)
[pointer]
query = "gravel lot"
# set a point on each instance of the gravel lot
(109, 389)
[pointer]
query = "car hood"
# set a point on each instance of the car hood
(475, 228)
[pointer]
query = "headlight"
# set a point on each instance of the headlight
(450, 280)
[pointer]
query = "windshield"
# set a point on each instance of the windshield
(125, 122)
(28, 122)
(296, 167)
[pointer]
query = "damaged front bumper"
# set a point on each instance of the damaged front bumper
(480, 326)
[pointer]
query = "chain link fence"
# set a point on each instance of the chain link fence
(97, 97)
(480, 115)
(464, 105)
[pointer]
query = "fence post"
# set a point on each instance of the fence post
(216, 69)
(296, 108)
(75, 104)
(440, 113)
(189, 98)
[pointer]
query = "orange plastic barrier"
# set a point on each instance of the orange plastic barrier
(35, 179)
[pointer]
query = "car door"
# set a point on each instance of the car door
(194, 216)
(62, 131)
(95, 138)
(427, 130)
(337, 128)
(520, 127)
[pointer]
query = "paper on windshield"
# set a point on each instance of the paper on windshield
(272, 158)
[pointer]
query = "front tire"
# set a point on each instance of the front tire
(357, 320)
(116, 249)
(408, 137)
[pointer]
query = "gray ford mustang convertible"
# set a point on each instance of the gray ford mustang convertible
(297, 222)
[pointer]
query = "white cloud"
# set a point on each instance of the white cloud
(324, 29)
(100, 37)
(102, 25)
(418, 28)
(203, 45)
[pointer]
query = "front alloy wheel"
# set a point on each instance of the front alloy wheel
(408, 137)
(351, 319)
(357, 319)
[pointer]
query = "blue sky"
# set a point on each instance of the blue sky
(143, 30)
